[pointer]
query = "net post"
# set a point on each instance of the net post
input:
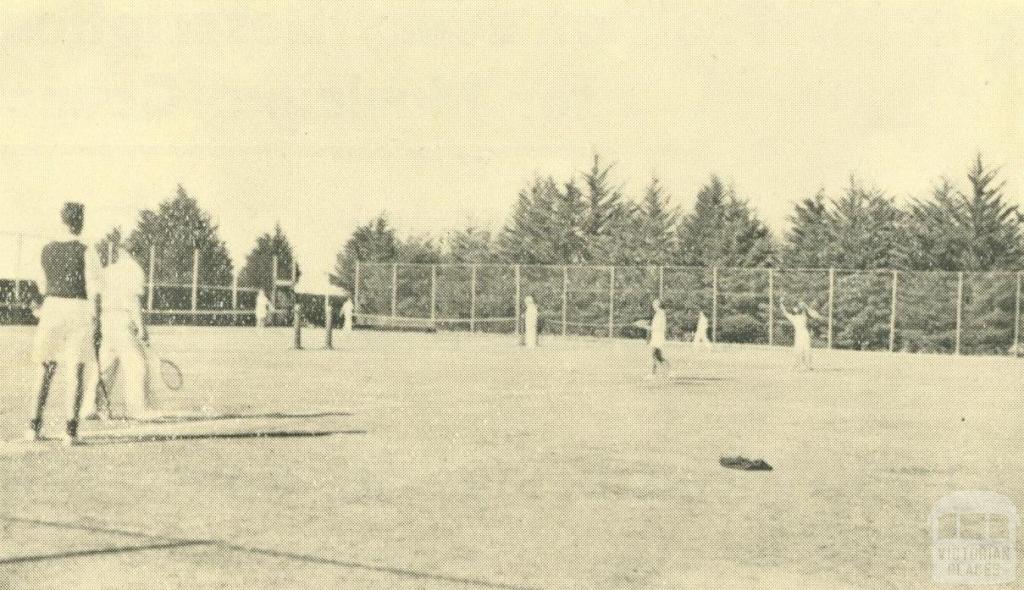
(892, 311)
(152, 269)
(611, 301)
(195, 279)
(394, 290)
(771, 306)
(519, 297)
(472, 298)
(959, 310)
(234, 289)
(714, 304)
(328, 322)
(1016, 317)
(831, 301)
(433, 295)
(565, 299)
(297, 322)
(661, 283)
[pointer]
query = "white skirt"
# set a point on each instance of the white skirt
(64, 333)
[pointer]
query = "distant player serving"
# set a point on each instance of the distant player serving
(67, 320)
(801, 334)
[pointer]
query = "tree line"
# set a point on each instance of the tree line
(966, 225)
(586, 219)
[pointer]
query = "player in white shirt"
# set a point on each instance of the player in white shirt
(700, 335)
(659, 327)
(123, 354)
(67, 320)
(262, 309)
(530, 318)
(346, 314)
(801, 333)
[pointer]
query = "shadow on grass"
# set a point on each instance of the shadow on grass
(156, 437)
(174, 419)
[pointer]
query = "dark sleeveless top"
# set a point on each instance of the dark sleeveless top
(64, 266)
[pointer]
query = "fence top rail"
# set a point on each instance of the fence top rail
(606, 267)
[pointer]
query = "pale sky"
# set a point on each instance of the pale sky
(321, 114)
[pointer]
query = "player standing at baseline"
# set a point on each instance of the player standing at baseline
(700, 335)
(346, 314)
(530, 318)
(801, 334)
(124, 340)
(262, 309)
(67, 319)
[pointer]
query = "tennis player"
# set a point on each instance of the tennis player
(659, 326)
(700, 335)
(801, 334)
(67, 320)
(346, 313)
(530, 317)
(123, 354)
(262, 309)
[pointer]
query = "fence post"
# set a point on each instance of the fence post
(328, 323)
(472, 298)
(394, 290)
(17, 269)
(565, 297)
(661, 284)
(959, 310)
(831, 301)
(519, 297)
(1016, 318)
(714, 304)
(355, 291)
(611, 301)
(297, 321)
(433, 295)
(892, 312)
(195, 280)
(771, 306)
(273, 285)
(235, 289)
(152, 269)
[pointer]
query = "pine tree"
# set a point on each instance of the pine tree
(178, 228)
(375, 241)
(646, 231)
(723, 230)
(258, 271)
(528, 236)
(472, 245)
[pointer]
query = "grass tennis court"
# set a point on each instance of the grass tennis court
(464, 461)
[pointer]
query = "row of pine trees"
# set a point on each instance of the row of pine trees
(587, 220)
(968, 226)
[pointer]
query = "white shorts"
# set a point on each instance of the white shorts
(65, 330)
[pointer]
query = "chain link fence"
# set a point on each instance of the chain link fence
(902, 311)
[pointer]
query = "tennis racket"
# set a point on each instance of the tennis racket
(171, 375)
